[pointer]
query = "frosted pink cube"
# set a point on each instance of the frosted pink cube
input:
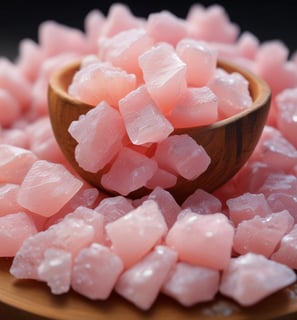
(247, 206)
(202, 202)
(201, 61)
(99, 134)
(204, 240)
(55, 269)
(14, 163)
(279, 201)
(144, 121)
(196, 107)
(164, 26)
(251, 277)
(279, 182)
(15, 228)
(164, 74)
(262, 235)
(190, 284)
(95, 272)
(135, 234)
(47, 187)
(142, 283)
(182, 155)
(130, 171)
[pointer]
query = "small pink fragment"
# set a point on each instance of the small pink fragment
(55, 270)
(95, 272)
(15, 228)
(250, 278)
(142, 283)
(130, 171)
(47, 187)
(203, 236)
(99, 134)
(135, 234)
(180, 154)
(190, 284)
(144, 121)
(164, 74)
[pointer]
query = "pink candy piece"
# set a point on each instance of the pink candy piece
(251, 278)
(141, 283)
(144, 121)
(95, 272)
(180, 154)
(97, 147)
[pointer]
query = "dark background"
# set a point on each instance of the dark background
(20, 19)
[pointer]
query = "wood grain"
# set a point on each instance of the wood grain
(229, 142)
(32, 300)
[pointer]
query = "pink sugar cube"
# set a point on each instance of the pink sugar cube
(135, 234)
(208, 239)
(232, 91)
(201, 61)
(286, 252)
(15, 228)
(196, 107)
(114, 83)
(10, 108)
(47, 187)
(164, 74)
(162, 178)
(190, 284)
(141, 283)
(279, 201)
(202, 202)
(99, 134)
(113, 208)
(160, 26)
(250, 278)
(262, 234)
(95, 272)
(55, 269)
(144, 121)
(130, 171)
(15, 162)
(247, 206)
(8, 199)
(180, 154)
(129, 43)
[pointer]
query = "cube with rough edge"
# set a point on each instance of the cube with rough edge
(112, 208)
(191, 284)
(170, 155)
(247, 206)
(14, 163)
(97, 82)
(70, 235)
(95, 272)
(47, 187)
(208, 239)
(196, 107)
(15, 228)
(164, 74)
(232, 90)
(136, 233)
(144, 121)
(262, 235)
(201, 61)
(99, 134)
(8, 199)
(55, 269)
(130, 171)
(160, 26)
(251, 277)
(286, 252)
(163, 179)
(203, 202)
(141, 283)
(124, 48)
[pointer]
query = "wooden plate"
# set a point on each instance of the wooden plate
(32, 300)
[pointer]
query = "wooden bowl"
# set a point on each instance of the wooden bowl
(229, 142)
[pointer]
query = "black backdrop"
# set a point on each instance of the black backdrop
(20, 18)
